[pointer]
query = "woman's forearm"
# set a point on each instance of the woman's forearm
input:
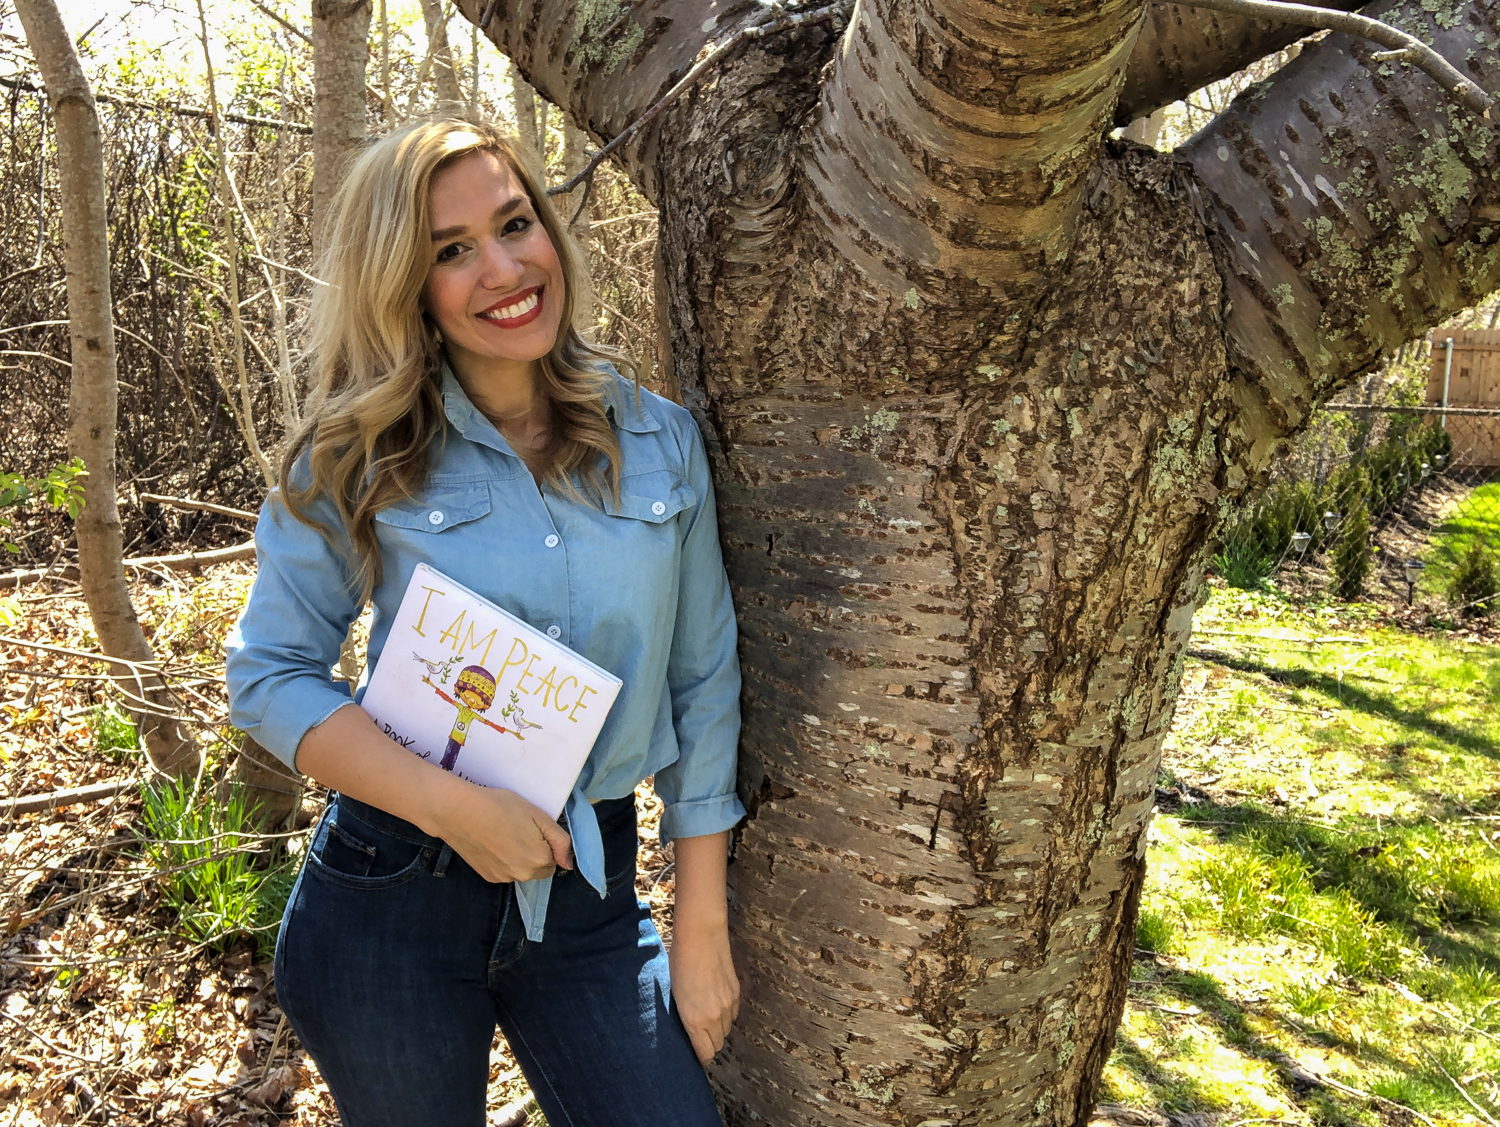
(348, 753)
(702, 863)
(503, 836)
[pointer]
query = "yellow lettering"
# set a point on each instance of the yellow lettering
(557, 699)
(431, 591)
(547, 685)
(572, 715)
(488, 640)
(525, 673)
(511, 658)
(454, 630)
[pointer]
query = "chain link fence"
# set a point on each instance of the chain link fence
(1396, 504)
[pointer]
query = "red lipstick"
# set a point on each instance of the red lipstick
(521, 319)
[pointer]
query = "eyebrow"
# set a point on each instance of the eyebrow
(499, 213)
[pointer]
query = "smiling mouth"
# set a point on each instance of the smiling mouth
(516, 311)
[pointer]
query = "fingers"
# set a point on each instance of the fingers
(703, 1045)
(557, 840)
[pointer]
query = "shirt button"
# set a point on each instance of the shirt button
(554, 631)
(435, 517)
(552, 541)
(658, 507)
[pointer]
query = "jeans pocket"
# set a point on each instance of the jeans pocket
(349, 852)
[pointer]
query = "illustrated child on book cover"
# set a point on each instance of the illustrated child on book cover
(475, 689)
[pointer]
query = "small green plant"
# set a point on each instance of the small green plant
(1154, 931)
(1240, 563)
(113, 731)
(1475, 581)
(1352, 557)
(60, 487)
(1310, 1000)
(216, 881)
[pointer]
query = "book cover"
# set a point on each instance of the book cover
(472, 688)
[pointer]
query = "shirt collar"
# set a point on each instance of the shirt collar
(468, 419)
(626, 409)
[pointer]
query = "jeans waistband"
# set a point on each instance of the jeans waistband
(606, 810)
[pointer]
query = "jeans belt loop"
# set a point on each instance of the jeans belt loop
(444, 856)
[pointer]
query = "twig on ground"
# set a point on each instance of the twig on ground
(185, 561)
(30, 803)
(190, 503)
(1486, 1116)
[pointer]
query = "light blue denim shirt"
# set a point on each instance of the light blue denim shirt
(637, 587)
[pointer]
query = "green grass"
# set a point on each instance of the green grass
(1476, 521)
(1326, 896)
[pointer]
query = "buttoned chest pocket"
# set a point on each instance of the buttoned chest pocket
(438, 509)
(654, 497)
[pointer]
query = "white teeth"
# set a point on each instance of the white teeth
(524, 306)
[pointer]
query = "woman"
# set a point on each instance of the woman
(457, 418)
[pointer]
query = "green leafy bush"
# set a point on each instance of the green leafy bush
(60, 487)
(1241, 564)
(1352, 557)
(1474, 581)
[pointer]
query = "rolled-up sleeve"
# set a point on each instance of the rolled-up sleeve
(703, 677)
(281, 652)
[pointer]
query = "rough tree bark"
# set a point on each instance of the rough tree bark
(980, 388)
(93, 398)
(340, 36)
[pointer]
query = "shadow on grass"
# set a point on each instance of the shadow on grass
(1231, 1020)
(1361, 700)
(1347, 859)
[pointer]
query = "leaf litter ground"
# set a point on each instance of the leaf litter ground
(135, 972)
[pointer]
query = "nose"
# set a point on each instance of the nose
(500, 269)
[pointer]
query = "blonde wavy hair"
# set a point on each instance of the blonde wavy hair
(375, 404)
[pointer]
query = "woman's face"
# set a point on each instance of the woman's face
(494, 282)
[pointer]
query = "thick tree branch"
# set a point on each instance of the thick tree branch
(1182, 49)
(1354, 205)
(605, 63)
(955, 136)
(1408, 47)
(755, 31)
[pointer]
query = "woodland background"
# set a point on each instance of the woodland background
(137, 926)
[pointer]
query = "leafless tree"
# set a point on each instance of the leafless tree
(340, 35)
(981, 386)
(94, 394)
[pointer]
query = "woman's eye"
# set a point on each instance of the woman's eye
(449, 252)
(516, 225)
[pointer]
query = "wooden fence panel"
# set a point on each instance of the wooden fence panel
(1474, 381)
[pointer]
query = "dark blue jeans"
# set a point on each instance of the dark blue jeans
(396, 960)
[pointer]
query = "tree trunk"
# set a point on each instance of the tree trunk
(340, 34)
(980, 389)
(94, 392)
(444, 76)
(575, 206)
(526, 104)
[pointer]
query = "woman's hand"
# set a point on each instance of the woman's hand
(504, 837)
(704, 985)
(498, 832)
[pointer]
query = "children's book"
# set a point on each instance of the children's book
(470, 687)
